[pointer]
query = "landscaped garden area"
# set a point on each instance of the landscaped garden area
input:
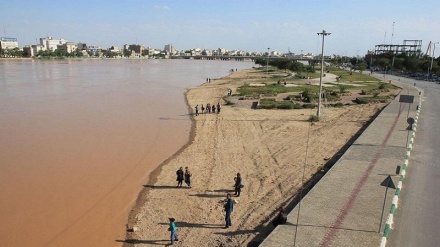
(281, 89)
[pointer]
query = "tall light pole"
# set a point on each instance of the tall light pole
(267, 64)
(432, 60)
(323, 33)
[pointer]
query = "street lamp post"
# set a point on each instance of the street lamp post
(267, 64)
(432, 60)
(323, 33)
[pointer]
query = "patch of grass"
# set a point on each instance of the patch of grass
(337, 105)
(272, 89)
(373, 99)
(352, 76)
(333, 96)
(286, 105)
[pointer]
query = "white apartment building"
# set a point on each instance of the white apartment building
(8, 43)
(114, 49)
(50, 43)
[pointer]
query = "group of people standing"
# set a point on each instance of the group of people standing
(183, 176)
(208, 109)
(228, 203)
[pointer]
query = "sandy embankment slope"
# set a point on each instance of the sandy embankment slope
(267, 147)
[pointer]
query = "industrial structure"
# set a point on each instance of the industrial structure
(410, 47)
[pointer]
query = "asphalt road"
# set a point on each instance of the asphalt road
(417, 219)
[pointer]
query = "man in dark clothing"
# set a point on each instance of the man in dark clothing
(180, 177)
(238, 184)
(218, 108)
(229, 207)
(197, 110)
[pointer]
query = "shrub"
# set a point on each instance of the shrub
(307, 94)
(297, 106)
(285, 106)
(337, 105)
(361, 100)
(343, 88)
(267, 106)
(313, 118)
(309, 106)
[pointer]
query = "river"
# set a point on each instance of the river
(78, 139)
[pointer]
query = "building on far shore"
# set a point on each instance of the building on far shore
(170, 49)
(51, 44)
(68, 47)
(134, 50)
(7, 44)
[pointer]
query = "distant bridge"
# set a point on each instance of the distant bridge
(236, 58)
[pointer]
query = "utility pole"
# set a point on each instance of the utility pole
(357, 58)
(323, 33)
(432, 60)
(392, 50)
(392, 34)
(267, 63)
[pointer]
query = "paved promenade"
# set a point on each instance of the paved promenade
(344, 208)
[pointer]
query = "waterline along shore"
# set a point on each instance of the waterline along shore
(268, 147)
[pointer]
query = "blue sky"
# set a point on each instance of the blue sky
(355, 26)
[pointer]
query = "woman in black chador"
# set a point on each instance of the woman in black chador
(180, 177)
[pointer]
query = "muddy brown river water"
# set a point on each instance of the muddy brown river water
(78, 139)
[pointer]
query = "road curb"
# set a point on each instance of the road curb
(394, 205)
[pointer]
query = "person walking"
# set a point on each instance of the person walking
(202, 108)
(180, 177)
(213, 109)
(218, 108)
(229, 207)
(188, 177)
(173, 231)
(197, 110)
(238, 184)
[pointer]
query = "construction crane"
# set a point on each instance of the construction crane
(428, 51)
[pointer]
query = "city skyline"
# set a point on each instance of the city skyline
(355, 26)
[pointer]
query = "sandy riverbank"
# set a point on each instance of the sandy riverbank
(268, 147)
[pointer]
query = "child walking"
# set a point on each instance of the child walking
(173, 230)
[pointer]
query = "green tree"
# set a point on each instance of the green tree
(297, 67)
(382, 63)
(411, 64)
(310, 69)
(362, 67)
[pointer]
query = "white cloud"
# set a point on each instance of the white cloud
(161, 7)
